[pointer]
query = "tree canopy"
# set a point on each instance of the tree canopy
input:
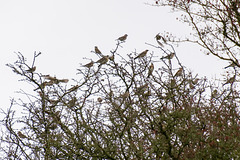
(140, 105)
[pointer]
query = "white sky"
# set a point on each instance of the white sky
(65, 31)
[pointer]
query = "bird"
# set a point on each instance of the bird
(21, 135)
(173, 82)
(158, 37)
(51, 82)
(150, 70)
(89, 65)
(74, 88)
(191, 85)
(195, 81)
(142, 88)
(125, 95)
(103, 60)
(31, 69)
(41, 86)
(179, 72)
(142, 54)
(170, 56)
(97, 50)
(230, 80)
(63, 80)
(54, 80)
(111, 58)
(50, 77)
(214, 94)
(99, 99)
(72, 102)
(122, 38)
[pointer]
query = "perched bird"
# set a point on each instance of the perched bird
(111, 58)
(57, 114)
(125, 95)
(150, 70)
(97, 50)
(179, 72)
(195, 81)
(73, 88)
(49, 83)
(89, 65)
(53, 126)
(103, 60)
(53, 102)
(99, 99)
(54, 80)
(123, 38)
(230, 80)
(147, 94)
(142, 88)
(142, 54)
(31, 69)
(41, 86)
(170, 56)
(173, 83)
(214, 94)
(63, 80)
(21, 135)
(191, 85)
(158, 38)
(50, 77)
(72, 102)
(110, 93)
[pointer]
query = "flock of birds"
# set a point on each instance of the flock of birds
(104, 59)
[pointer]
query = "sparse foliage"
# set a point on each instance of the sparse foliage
(215, 24)
(124, 108)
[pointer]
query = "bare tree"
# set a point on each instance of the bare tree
(216, 25)
(123, 107)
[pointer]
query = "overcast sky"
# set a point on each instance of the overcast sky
(65, 31)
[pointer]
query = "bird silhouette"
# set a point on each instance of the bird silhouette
(103, 60)
(142, 88)
(123, 38)
(74, 88)
(214, 94)
(144, 53)
(170, 56)
(195, 81)
(99, 99)
(150, 70)
(97, 51)
(111, 58)
(31, 69)
(179, 72)
(89, 64)
(21, 135)
(63, 80)
(125, 95)
(50, 77)
(158, 38)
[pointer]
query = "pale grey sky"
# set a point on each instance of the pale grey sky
(65, 31)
